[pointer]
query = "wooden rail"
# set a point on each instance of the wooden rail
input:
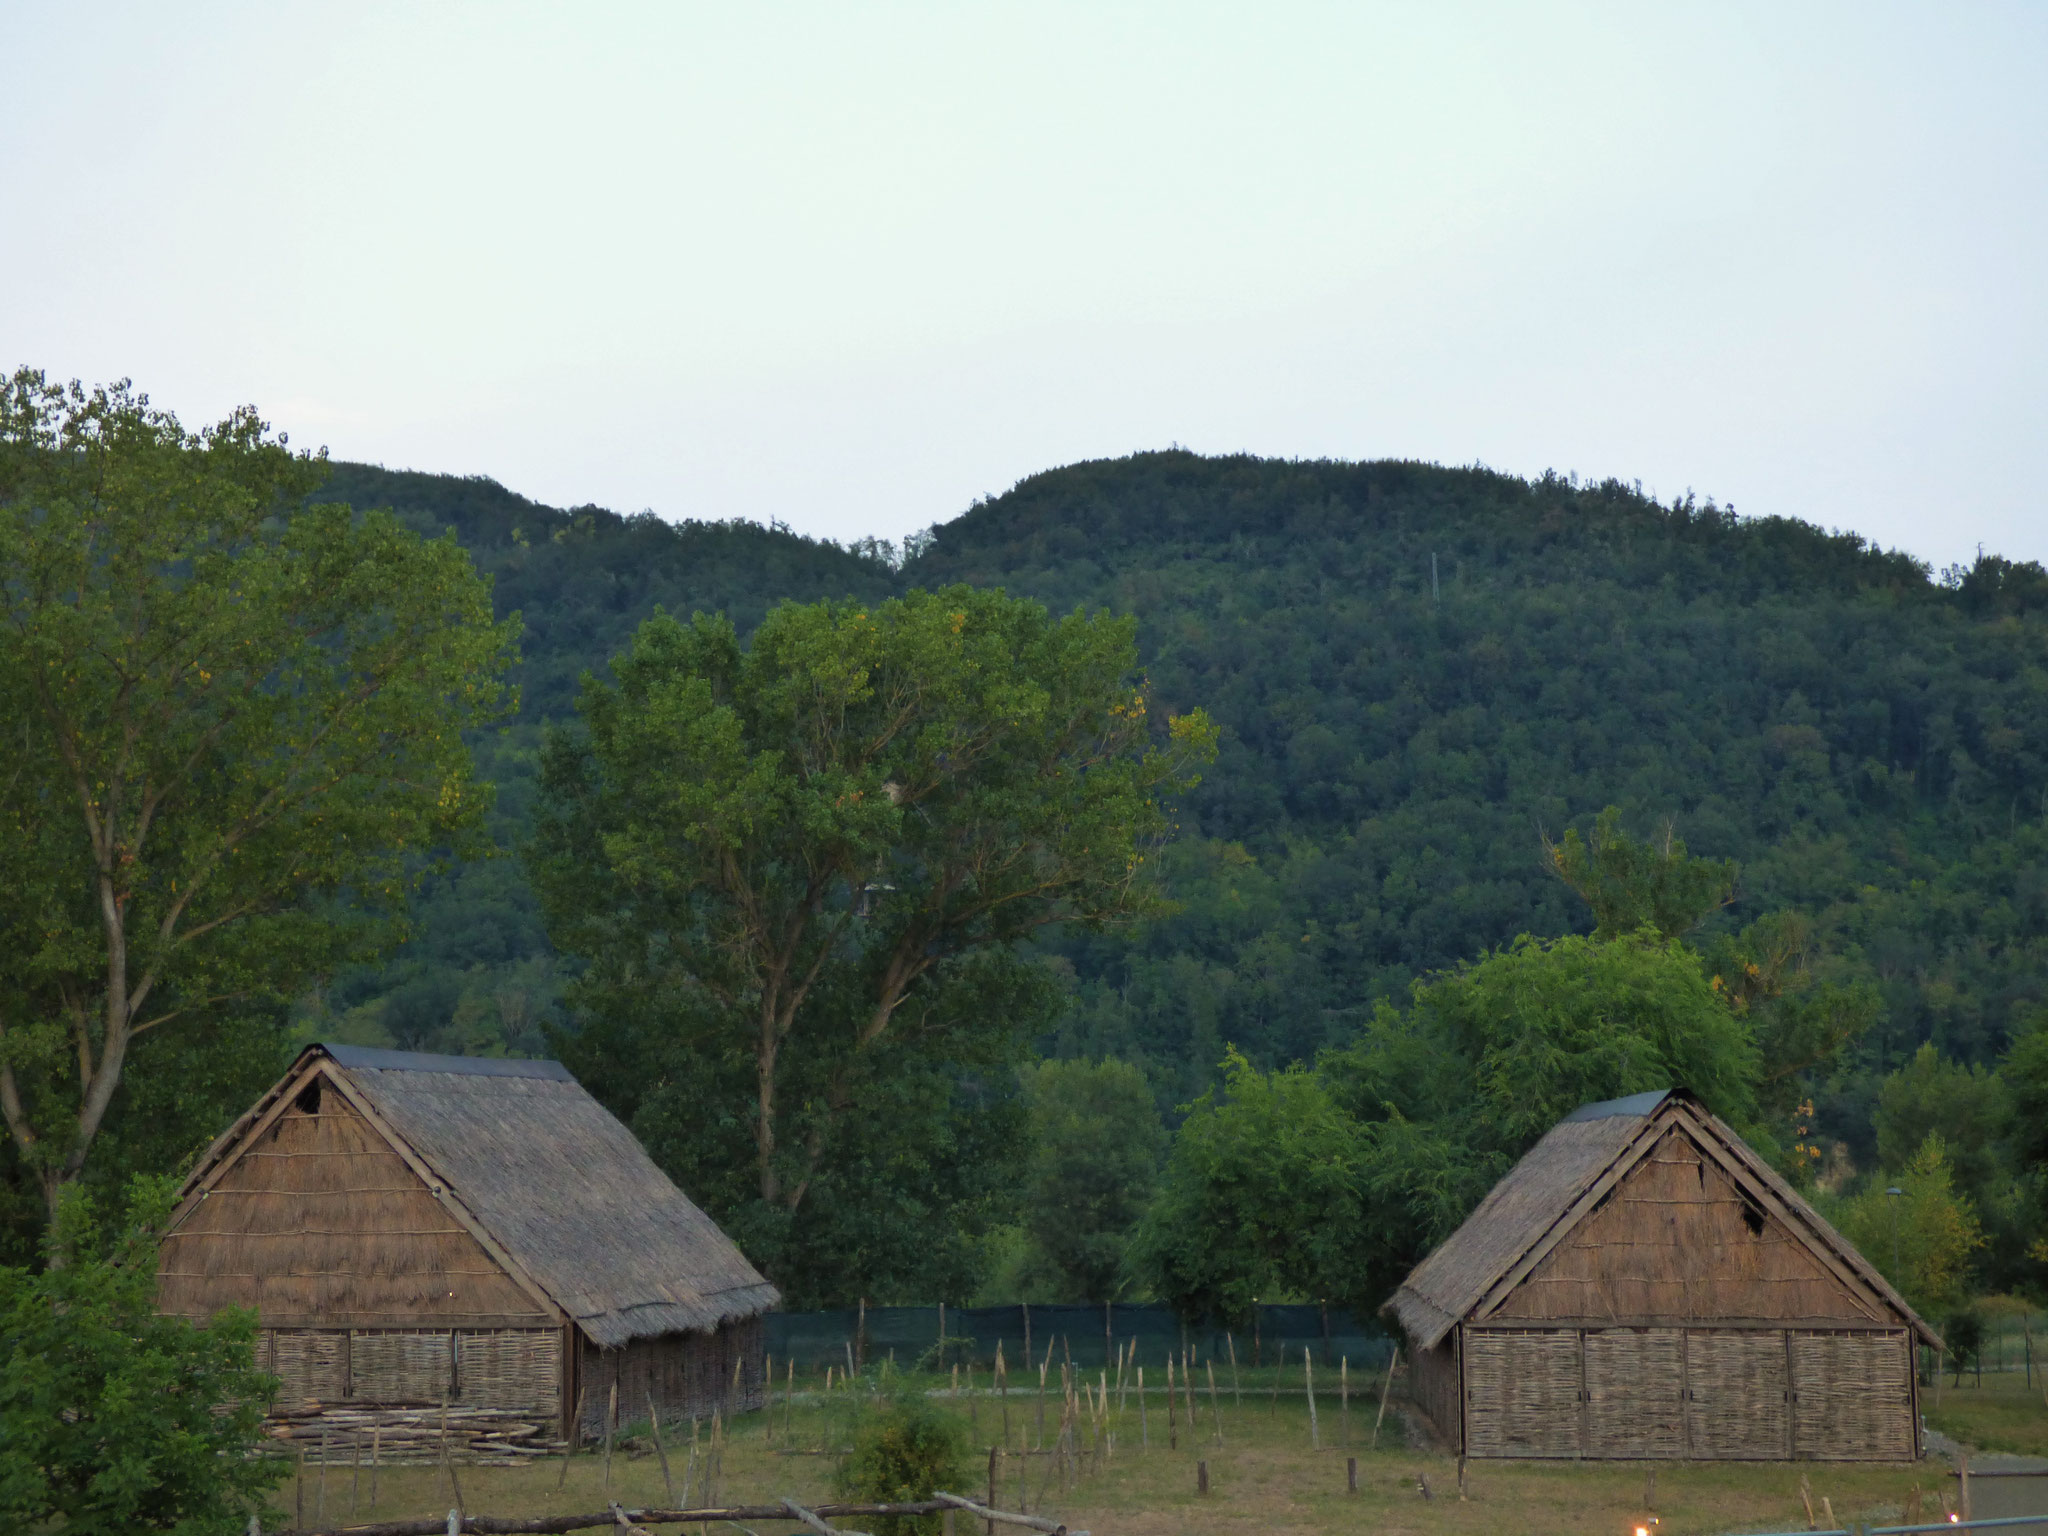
(616, 1518)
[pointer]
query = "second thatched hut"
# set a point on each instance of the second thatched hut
(1643, 1285)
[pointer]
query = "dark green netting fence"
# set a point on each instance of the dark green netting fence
(1088, 1335)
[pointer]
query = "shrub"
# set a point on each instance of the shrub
(903, 1454)
(112, 1418)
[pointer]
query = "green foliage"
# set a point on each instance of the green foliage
(793, 857)
(112, 1418)
(1963, 1332)
(904, 1454)
(237, 718)
(1096, 1147)
(1261, 1199)
(1632, 886)
(1968, 1107)
(1923, 1239)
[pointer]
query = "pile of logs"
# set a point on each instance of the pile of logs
(397, 1437)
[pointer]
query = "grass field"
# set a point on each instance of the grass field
(2003, 1414)
(1264, 1477)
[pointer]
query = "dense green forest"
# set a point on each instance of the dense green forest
(1420, 674)
(1427, 682)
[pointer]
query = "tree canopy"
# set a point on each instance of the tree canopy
(795, 851)
(232, 722)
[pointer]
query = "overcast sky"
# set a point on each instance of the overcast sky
(855, 266)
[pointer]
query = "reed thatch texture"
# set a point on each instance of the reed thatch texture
(1677, 1241)
(318, 1223)
(684, 1376)
(1514, 1216)
(566, 1190)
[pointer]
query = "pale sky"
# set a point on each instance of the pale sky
(855, 266)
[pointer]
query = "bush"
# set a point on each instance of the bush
(112, 1418)
(903, 1454)
(1963, 1332)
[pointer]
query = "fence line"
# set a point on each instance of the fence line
(1091, 1335)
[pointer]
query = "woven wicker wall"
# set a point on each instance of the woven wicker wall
(1726, 1394)
(687, 1375)
(1522, 1392)
(500, 1368)
(510, 1368)
(1678, 1242)
(321, 1222)
(1635, 1392)
(1853, 1396)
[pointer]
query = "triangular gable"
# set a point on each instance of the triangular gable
(1570, 1175)
(1677, 1240)
(326, 1217)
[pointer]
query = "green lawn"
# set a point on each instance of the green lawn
(1264, 1478)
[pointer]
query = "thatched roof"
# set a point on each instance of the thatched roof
(554, 1181)
(1554, 1187)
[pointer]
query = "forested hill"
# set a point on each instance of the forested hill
(1420, 673)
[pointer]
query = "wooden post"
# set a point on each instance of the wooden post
(376, 1443)
(1806, 1498)
(1827, 1508)
(320, 1488)
(1044, 1366)
(355, 1474)
(1385, 1387)
(1963, 1483)
(1215, 1414)
(1028, 1356)
(860, 1335)
(789, 1397)
(1344, 1398)
(1108, 1335)
(654, 1428)
(1172, 1422)
(1461, 1479)
(1144, 1423)
(993, 1453)
(299, 1488)
(1236, 1392)
(1202, 1478)
(1351, 1474)
(1308, 1381)
(611, 1423)
(1003, 1391)
(1255, 1333)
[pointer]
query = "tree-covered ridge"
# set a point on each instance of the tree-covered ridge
(1866, 738)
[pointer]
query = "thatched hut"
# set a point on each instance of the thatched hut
(1643, 1285)
(419, 1230)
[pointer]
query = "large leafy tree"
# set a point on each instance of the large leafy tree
(223, 708)
(1096, 1147)
(785, 855)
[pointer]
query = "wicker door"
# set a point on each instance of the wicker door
(1522, 1392)
(1852, 1396)
(1736, 1395)
(1635, 1393)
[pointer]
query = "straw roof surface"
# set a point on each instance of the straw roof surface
(1545, 1192)
(1516, 1213)
(559, 1184)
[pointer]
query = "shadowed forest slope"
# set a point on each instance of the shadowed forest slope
(1420, 672)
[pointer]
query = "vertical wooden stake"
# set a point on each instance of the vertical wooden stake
(860, 1354)
(299, 1490)
(1028, 1356)
(1308, 1380)
(1962, 1484)
(1344, 1397)
(993, 1453)
(1144, 1422)
(1828, 1509)
(654, 1428)
(355, 1474)
(1202, 1477)
(1351, 1474)
(1215, 1413)
(376, 1443)
(768, 1397)
(1236, 1392)
(1003, 1391)
(789, 1397)
(568, 1445)
(1461, 1479)
(320, 1489)
(1172, 1423)
(1187, 1389)
(1042, 1369)
(611, 1423)
(1385, 1387)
